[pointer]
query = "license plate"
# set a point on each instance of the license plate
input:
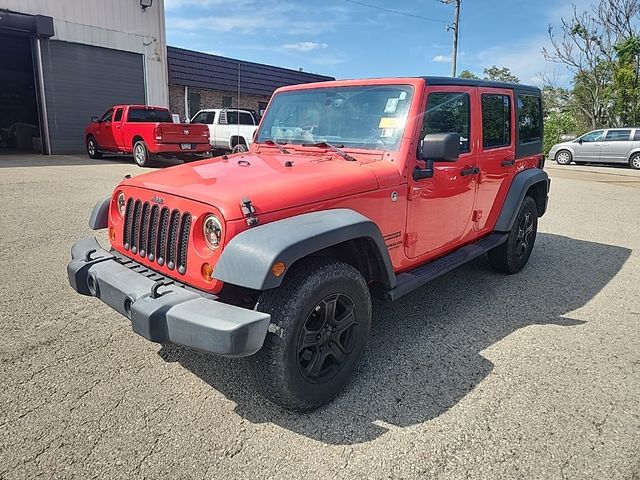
(185, 146)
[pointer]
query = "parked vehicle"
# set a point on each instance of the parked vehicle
(612, 145)
(229, 129)
(147, 133)
(352, 189)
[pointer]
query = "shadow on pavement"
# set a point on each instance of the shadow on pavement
(36, 160)
(425, 353)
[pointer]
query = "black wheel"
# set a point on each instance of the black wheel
(513, 255)
(634, 161)
(321, 317)
(563, 157)
(141, 154)
(92, 148)
(239, 148)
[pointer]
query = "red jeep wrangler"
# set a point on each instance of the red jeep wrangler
(352, 188)
(147, 133)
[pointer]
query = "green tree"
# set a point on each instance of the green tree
(468, 74)
(500, 75)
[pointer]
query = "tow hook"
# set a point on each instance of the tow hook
(248, 210)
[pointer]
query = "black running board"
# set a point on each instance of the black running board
(409, 281)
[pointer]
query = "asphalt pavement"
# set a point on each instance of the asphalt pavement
(477, 375)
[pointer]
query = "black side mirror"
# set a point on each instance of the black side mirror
(95, 120)
(580, 141)
(437, 147)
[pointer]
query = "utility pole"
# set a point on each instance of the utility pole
(455, 28)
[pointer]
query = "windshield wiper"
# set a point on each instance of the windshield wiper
(279, 145)
(342, 153)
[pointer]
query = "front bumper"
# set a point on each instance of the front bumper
(165, 312)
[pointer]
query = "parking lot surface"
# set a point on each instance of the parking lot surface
(477, 375)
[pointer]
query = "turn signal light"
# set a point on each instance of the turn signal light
(207, 272)
(112, 234)
(278, 268)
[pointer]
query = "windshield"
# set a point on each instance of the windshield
(369, 117)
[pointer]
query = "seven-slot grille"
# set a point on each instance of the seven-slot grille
(157, 233)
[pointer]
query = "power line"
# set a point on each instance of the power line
(397, 12)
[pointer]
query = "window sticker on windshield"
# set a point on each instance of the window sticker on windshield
(389, 122)
(392, 105)
(403, 95)
(387, 132)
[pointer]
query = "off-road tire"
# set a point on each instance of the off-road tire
(563, 157)
(277, 369)
(92, 148)
(634, 161)
(512, 255)
(141, 154)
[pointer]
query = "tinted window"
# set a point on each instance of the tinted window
(244, 118)
(496, 120)
(618, 135)
(204, 117)
(149, 115)
(595, 136)
(118, 115)
(636, 135)
(529, 119)
(448, 112)
(107, 115)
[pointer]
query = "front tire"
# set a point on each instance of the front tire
(141, 154)
(563, 157)
(634, 161)
(321, 318)
(513, 255)
(92, 148)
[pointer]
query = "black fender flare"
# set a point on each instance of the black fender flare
(247, 259)
(521, 183)
(99, 218)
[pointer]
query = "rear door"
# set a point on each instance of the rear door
(497, 154)
(116, 128)
(616, 146)
(587, 148)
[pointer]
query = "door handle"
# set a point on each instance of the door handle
(469, 171)
(507, 163)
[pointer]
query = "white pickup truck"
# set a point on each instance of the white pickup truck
(229, 129)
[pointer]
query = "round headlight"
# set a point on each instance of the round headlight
(122, 206)
(212, 230)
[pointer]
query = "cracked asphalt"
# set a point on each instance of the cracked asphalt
(477, 375)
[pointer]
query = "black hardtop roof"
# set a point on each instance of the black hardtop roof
(476, 82)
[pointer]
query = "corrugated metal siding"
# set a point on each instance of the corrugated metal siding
(195, 69)
(82, 81)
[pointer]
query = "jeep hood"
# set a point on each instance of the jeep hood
(264, 178)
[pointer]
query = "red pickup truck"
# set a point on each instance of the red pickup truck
(147, 133)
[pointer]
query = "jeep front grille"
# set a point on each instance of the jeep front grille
(157, 233)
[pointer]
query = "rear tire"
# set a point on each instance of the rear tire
(321, 318)
(563, 157)
(513, 255)
(634, 161)
(141, 154)
(92, 148)
(239, 148)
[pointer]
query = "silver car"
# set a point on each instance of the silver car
(613, 145)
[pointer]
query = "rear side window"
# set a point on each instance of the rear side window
(242, 118)
(496, 120)
(448, 112)
(618, 135)
(529, 119)
(149, 115)
(118, 116)
(636, 135)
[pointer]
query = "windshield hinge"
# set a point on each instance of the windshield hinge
(249, 211)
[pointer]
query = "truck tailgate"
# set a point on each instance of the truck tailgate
(184, 133)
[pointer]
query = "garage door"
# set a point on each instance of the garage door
(82, 81)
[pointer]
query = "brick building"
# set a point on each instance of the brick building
(200, 80)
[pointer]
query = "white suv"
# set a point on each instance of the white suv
(229, 129)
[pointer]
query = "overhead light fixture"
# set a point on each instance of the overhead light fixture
(146, 4)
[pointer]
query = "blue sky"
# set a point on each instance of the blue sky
(346, 40)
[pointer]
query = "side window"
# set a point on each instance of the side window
(529, 119)
(107, 115)
(211, 116)
(496, 120)
(232, 118)
(618, 135)
(636, 135)
(594, 136)
(448, 112)
(245, 118)
(200, 118)
(118, 116)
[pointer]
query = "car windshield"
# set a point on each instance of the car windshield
(368, 117)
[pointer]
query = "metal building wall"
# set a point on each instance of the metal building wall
(116, 24)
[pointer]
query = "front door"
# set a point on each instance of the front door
(587, 148)
(105, 133)
(496, 158)
(440, 208)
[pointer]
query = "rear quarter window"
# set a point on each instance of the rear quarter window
(149, 115)
(529, 119)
